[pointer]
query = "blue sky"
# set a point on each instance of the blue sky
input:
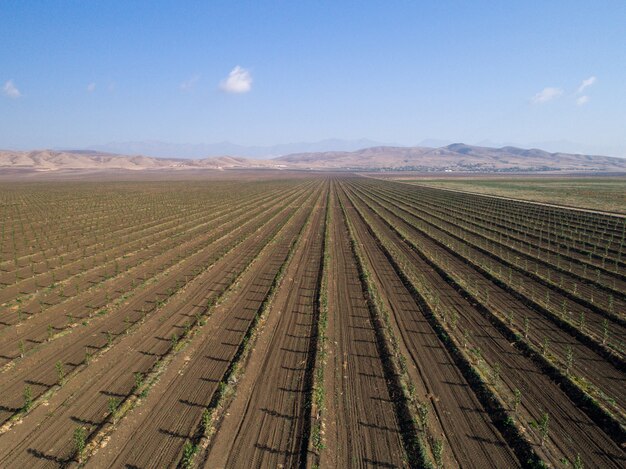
(80, 73)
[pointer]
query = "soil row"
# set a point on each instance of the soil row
(488, 347)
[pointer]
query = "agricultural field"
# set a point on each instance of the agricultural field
(592, 192)
(303, 319)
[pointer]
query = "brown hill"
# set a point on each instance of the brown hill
(455, 157)
(47, 160)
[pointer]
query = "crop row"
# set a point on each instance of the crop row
(490, 362)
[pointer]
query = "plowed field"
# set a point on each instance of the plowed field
(307, 320)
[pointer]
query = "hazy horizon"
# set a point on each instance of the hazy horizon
(161, 149)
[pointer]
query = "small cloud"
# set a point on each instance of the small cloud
(239, 81)
(10, 90)
(189, 84)
(585, 83)
(547, 94)
(582, 100)
(91, 87)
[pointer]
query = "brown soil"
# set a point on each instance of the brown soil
(164, 299)
(361, 426)
(265, 424)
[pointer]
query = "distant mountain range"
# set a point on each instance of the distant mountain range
(49, 160)
(161, 149)
(205, 150)
(454, 157)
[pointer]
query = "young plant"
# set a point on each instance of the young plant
(479, 356)
(88, 356)
(438, 453)
(138, 379)
(80, 439)
(544, 427)
(205, 422)
(28, 398)
(517, 400)
(60, 372)
(188, 451)
(174, 340)
(495, 374)
(465, 339)
(113, 404)
(578, 462)
(422, 412)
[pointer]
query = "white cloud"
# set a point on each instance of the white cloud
(581, 100)
(190, 83)
(547, 94)
(239, 81)
(91, 87)
(585, 83)
(10, 90)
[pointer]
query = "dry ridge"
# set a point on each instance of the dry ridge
(455, 157)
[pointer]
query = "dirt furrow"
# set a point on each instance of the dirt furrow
(87, 404)
(603, 299)
(571, 431)
(40, 329)
(471, 439)
(361, 427)
(265, 426)
(586, 362)
(521, 229)
(174, 408)
(71, 351)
